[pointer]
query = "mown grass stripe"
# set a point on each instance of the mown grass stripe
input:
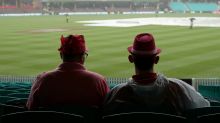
(185, 52)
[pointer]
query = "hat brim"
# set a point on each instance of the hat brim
(132, 51)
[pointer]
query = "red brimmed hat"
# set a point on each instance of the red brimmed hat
(73, 44)
(144, 44)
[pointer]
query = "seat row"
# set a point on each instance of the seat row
(130, 117)
(79, 114)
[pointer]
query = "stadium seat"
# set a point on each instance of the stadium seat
(11, 87)
(141, 117)
(17, 102)
(6, 109)
(210, 118)
(15, 85)
(192, 114)
(124, 107)
(19, 95)
(91, 114)
(4, 99)
(41, 116)
(4, 92)
(23, 90)
(214, 102)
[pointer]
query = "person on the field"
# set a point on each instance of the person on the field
(70, 83)
(149, 90)
(191, 22)
(67, 18)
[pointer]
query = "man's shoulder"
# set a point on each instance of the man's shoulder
(179, 82)
(121, 86)
(182, 85)
(94, 75)
(46, 74)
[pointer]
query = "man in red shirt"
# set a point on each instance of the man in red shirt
(70, 83)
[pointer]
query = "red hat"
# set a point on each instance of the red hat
(144, 44)
(73, 44)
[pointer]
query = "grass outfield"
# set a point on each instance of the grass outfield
(26, 50)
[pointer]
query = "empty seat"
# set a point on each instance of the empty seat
(17, 102)
(124, 107)
(4, 92)
(138, 117)
(192, 114)
(23, 90)
(4, 99)
(19, 95)
(210, 118)
(214, 102)
(202, 111)
(91, 114)
(41, 116)
(6, 109)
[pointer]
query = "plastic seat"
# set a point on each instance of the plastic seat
(23, 90)
(17, 102)
(140, 117)
(19, 95)
(41, 116)
(4, 99)
(91, 114)
(6, 109)
(11, 87)
(202, 111)
(210, 118)
(124, 107)
(192, 114)
(214, 102)
(4, 92)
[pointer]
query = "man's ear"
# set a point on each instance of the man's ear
(156, 59)
(82, 59)
(130, 58)
(61, 55)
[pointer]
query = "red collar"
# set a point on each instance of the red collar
(145, 79)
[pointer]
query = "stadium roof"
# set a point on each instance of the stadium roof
(95, 0)
(78, 0)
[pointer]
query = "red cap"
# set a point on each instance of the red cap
(144, 44)
(73, 44)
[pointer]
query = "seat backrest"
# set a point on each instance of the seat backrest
(4, 99)
(4, 92)
(17, 102)
(202, 111)
(41, 116)
(124, 107)
(135, 117)
(214, 102)
(23, 90)
(6, 109)
(89, 113)
(19, 95)
(210, 118)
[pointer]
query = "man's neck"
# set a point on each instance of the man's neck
(139, 72)
(145, 77)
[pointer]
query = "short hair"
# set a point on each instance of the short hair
(143, 62)
(71, 57)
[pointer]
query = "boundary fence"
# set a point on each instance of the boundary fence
(208, 87)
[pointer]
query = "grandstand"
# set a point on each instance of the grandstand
(109, 6)
(178, 7)
(57, 6)
(193, 7)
